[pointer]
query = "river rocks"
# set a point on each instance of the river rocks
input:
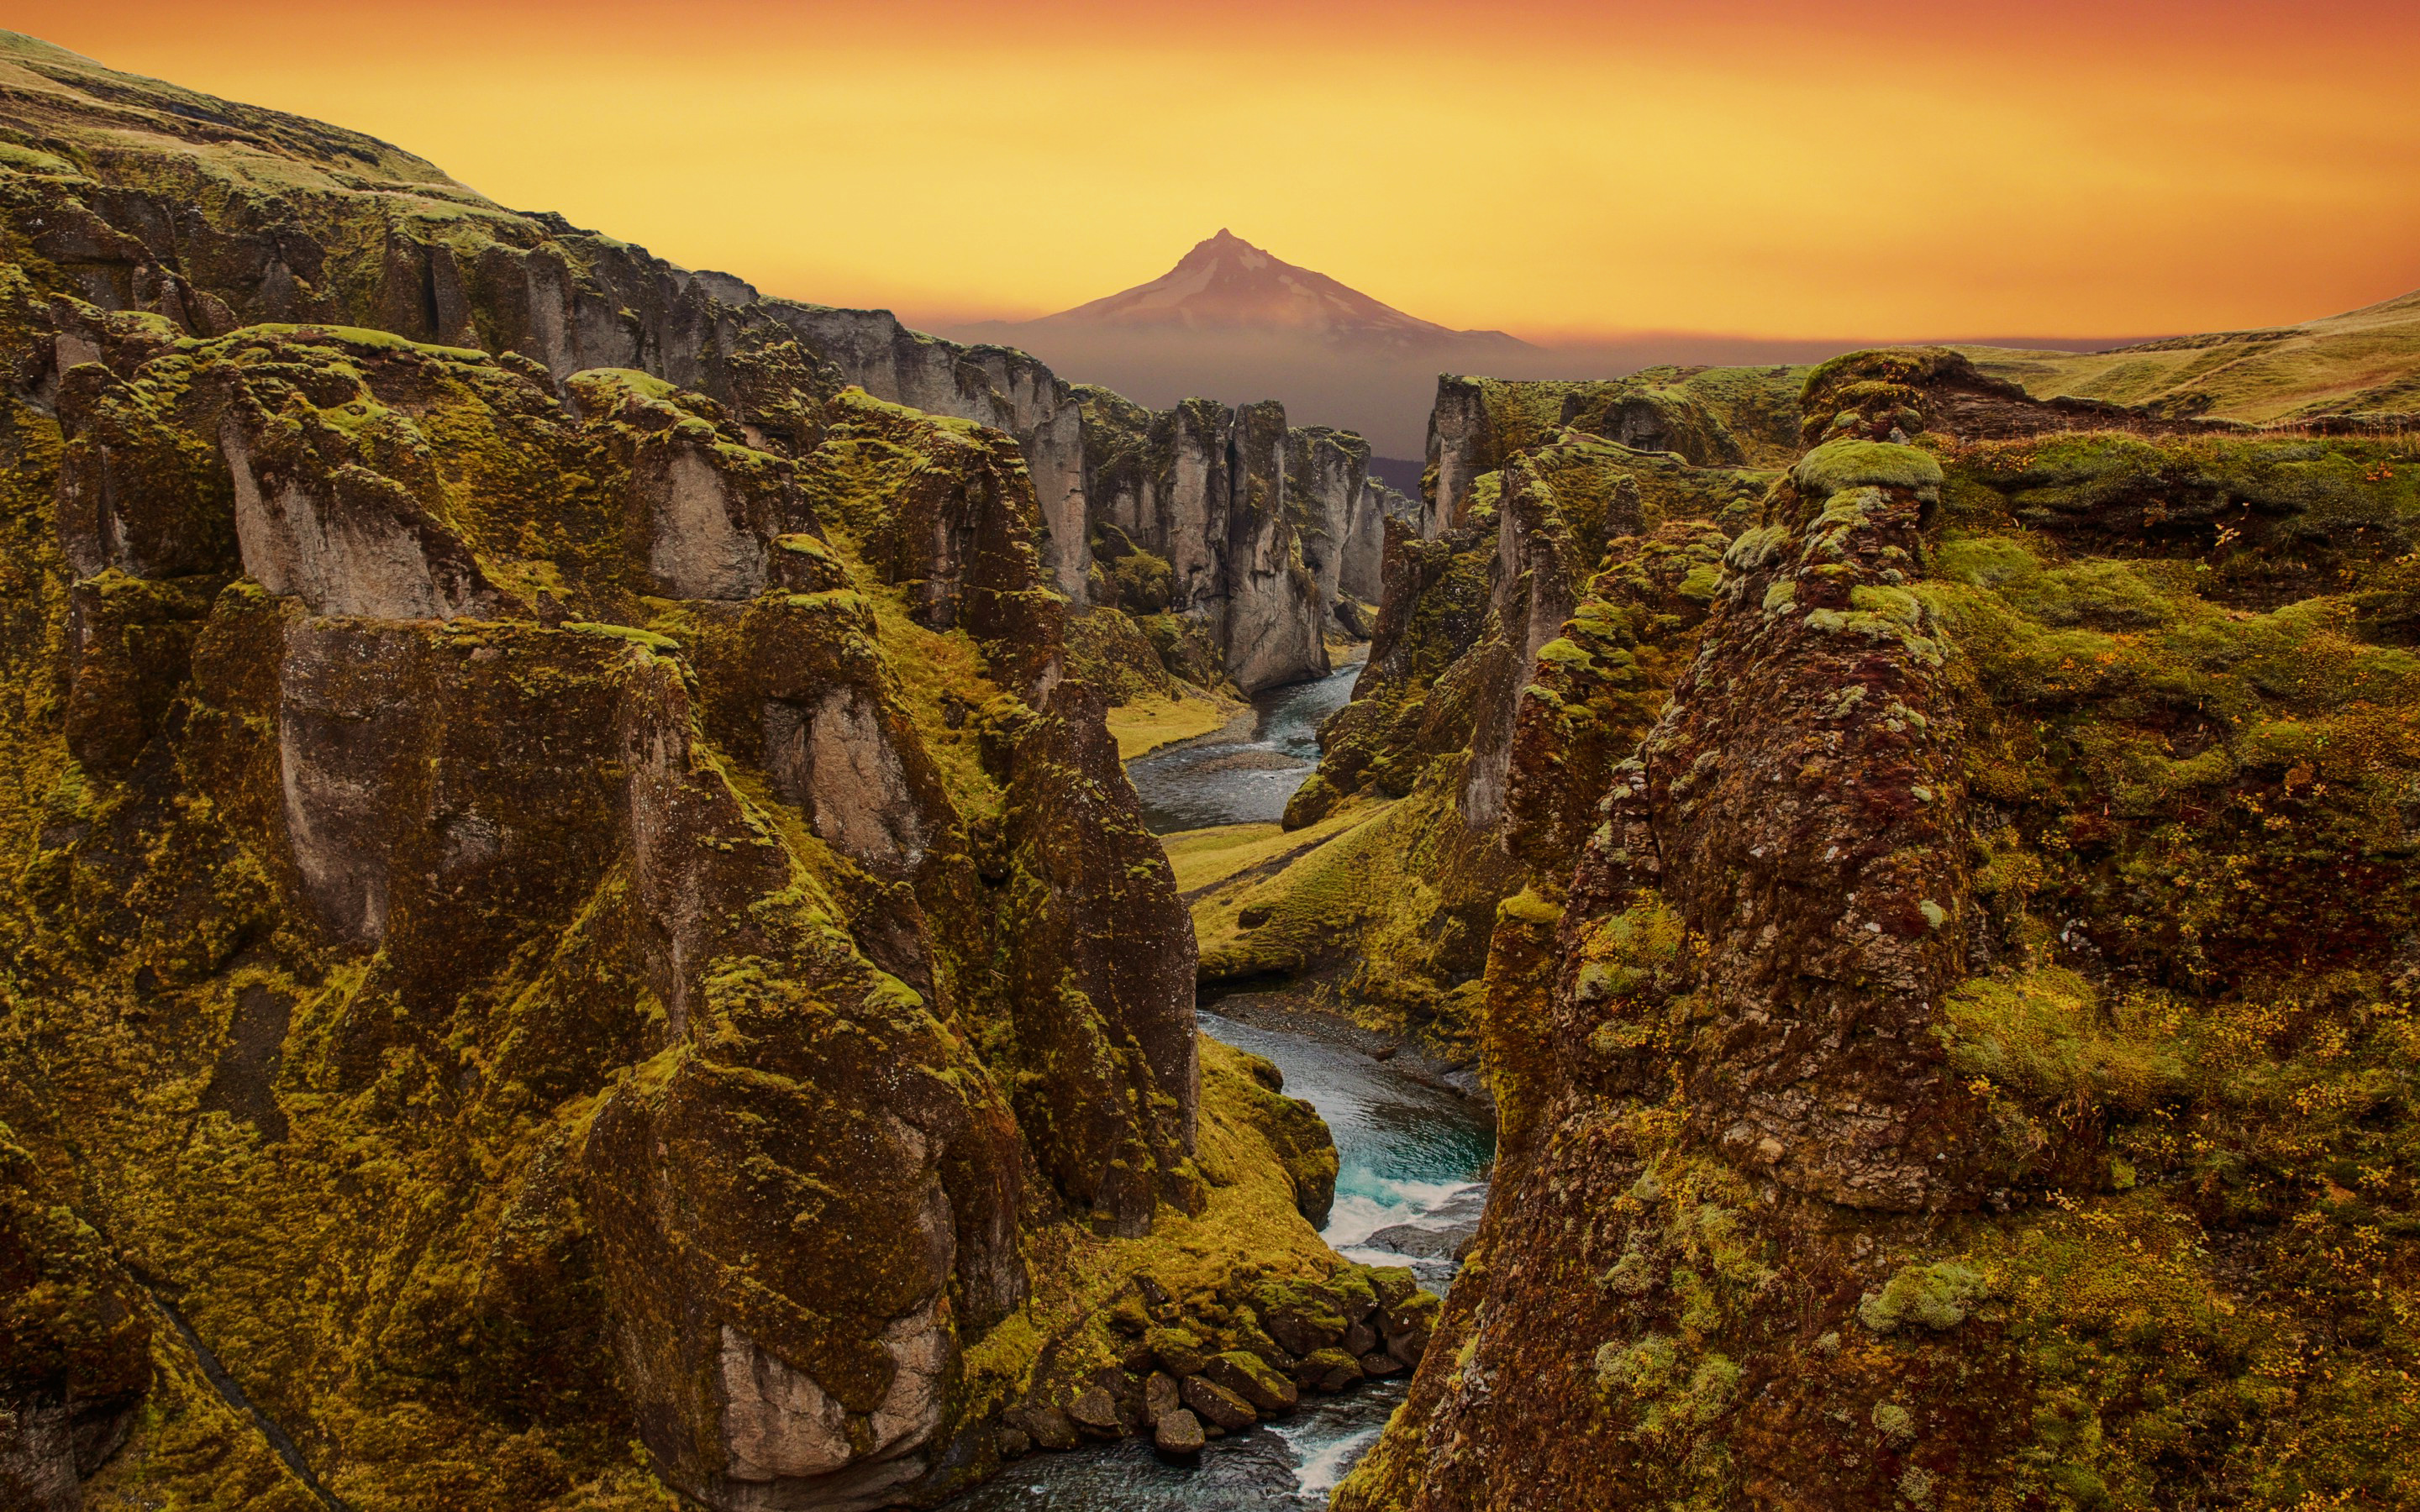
(1217, 1406)
(1300, 1316)
(1249, 1377)
(1442, 1232)
(1051, 1427)
(1410, 1325)
(1159, 1397)
(1420, 1242)
(1177, 1431)
(1329, 1370)
(1179, 1352)
(1095, 1412)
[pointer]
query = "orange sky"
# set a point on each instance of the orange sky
(1884, 170)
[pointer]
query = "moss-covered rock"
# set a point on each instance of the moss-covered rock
(557, 927)
(1955, 1076)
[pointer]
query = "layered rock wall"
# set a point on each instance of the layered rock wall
(1232, 523)
(1877, 1064)
(1486, 642)
(1705, 416)
(550, 909)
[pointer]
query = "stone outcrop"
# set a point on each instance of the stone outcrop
(1231, 525)
(1706, 416)
(1874, 1041)
(563, 899)
(1474, 635)
(75, 1332)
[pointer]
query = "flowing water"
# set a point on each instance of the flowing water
(1245, 773)
(1410, 1160)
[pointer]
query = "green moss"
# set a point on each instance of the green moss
(649, 638)
(1936, 1296)
(1840, 465)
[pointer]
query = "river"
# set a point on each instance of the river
(1410, 1162)
(1244, 774)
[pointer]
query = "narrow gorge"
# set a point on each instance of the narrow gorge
(621, 893)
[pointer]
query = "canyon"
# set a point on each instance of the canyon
(578, 936)
(575, 932)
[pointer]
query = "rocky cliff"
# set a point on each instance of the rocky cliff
(1225, 531)
(570, 934)
(1705, 416)
(1410, 839)
(1943, 1060)
(216, 215)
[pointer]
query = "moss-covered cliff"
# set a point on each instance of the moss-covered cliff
(1238, 547)
(135, 194)
(1541, 625)
(1965, 1068)
(570, 939)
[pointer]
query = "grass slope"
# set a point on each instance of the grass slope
(2364, 363)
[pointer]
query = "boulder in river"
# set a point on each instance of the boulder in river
(1179, 1351)
(1179, 1432)
(1299, 1316)
(1329, 1370)
(1249, 1376)
(1095, 1412)
(1051, 1427)
(1159, 1397)
(1217, 1405)
(1420, 1242)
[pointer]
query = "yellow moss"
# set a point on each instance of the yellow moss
(1150, 722)
(1251, 1227)
(1205, 857)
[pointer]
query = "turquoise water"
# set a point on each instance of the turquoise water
(1411, 1162)
(1407, 1154)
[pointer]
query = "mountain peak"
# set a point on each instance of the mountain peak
(1226, 283)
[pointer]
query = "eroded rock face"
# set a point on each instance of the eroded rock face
(1329, 488)
(1203, 520)
(1789, 1199)
(1546, 626)
(1705, 417)
(1105, 991)
(74, 1330)
(1276, 615)
(792, 1193)
(836, 761)
(695, 549)
(1361, 562)
(356, 545)
(993, 386)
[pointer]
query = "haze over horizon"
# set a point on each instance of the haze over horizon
(2052, 170)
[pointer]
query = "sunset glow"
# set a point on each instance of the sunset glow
(1549, 169)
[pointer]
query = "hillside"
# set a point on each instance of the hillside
(570, 940)
(2364, 363)
(1937, 918)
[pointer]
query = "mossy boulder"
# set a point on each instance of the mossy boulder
(1251, 1378)
(1838, 466)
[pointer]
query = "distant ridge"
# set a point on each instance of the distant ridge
(2365, 363)
(1226, 285)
